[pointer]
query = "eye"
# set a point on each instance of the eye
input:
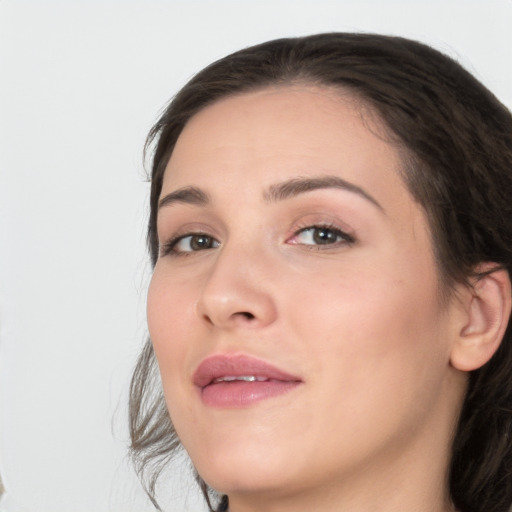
(321, 235)
(190, 243)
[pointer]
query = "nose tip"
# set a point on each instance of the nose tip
(232, 299)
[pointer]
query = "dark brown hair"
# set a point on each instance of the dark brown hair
(456, 141)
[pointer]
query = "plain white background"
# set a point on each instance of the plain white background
(80, 85)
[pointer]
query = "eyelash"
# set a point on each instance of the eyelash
(169, 248)
(346, 239)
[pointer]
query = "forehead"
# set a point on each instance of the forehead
(273, 134)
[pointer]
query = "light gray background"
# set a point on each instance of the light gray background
(80, 85)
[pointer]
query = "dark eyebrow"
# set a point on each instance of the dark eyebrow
(187, 195)
(297, 186)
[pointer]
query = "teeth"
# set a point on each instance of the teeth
(245, 378)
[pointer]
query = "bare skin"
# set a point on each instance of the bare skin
(333, 282)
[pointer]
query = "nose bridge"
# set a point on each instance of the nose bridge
(237, 290)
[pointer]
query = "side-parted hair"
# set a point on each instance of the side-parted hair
(455, 139)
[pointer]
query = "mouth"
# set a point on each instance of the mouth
(233, 381)
(244, 378)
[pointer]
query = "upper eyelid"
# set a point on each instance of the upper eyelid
(349, 237)
(175, 239)
(306, 221)
(321, 220)
(168, 233)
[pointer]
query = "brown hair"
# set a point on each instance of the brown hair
(457, 141)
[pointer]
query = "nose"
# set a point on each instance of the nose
(237, 292)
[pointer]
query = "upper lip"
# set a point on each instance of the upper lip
(237, 365)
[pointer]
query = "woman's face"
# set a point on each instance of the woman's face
(294, 308)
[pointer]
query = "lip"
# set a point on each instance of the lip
(271, 381)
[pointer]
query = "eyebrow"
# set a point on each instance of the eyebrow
(278, 192)
(297, 186)
(185, 195)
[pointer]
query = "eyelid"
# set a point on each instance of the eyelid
(309, 222)
(320, 220)
(167, 248)
(347, 237)
(182, 224)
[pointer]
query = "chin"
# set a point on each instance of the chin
(246, 468)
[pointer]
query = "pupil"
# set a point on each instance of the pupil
(200, 242)
(324, 236)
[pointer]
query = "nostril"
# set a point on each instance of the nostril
(241, 314)
(208, 319)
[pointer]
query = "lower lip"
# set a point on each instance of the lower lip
(238, 394)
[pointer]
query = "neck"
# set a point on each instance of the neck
(383, 493)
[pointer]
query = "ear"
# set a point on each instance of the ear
(487, 313)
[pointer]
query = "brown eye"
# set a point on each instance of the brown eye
(325, 236)
(199, 242)
(321, 235)
(193, 243)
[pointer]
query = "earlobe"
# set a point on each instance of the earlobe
(488, 313)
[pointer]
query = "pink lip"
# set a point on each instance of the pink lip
(215, 392)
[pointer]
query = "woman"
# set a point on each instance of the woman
(331, 237)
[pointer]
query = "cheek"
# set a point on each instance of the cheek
(376, 364)
(169, 315)
(366, 301)
(170, 311)
(373, 329)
